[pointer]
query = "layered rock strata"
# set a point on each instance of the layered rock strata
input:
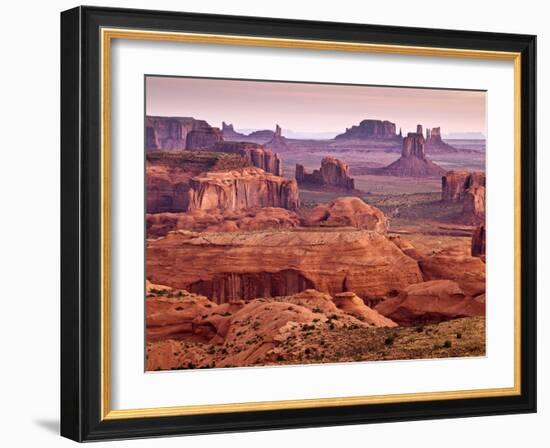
(455, 183)
(244, 265)
(241, 189)
(347, 211)
(254, 153)
(333, 173)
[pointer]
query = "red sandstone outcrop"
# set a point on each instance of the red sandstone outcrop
(369, 129)
(478, 242)
(159, 224)
(173, 133)
(452, 264)
(413, 161)
(350, 303)
(254, 153)
(473, 211)
(455, 183)
(347, 211)
(435, 144)
(168, 175)
(333, 174)
(203, 138)
(430, 302)
(173, 315)
(240, 189)
(244, 265)
(278, 142)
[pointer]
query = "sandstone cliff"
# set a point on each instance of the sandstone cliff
(168, 175)
(215, 220)
(244, 265)
(254, 153)
(240, 189)
(455, 183)
(473, 211)
(333, 174)
(478, 242)
(430, 302)
(177, 133)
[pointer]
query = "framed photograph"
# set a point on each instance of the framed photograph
(277, 224)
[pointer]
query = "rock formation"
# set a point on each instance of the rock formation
(370, 129)
(455, 183)
(333, 174)
(350, 303)
(159, 224)
(278, 142)
(230, 134)
(478, 242)
(203, 138)
(240, 189)
(171, 133)
(413, 161)
(232, 266)
(168, 175)
(254, 153)
(347, 211)
(430, 302)
(473, 211)
(435, 144)
(451, 264)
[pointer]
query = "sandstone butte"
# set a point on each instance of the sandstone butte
(239, 189)
(435, 144)
(370, 129)
(244, 265)
(430, 302)
(257, 218)
(413, 161)
(455, 183)
(333, 173)
(347, 211)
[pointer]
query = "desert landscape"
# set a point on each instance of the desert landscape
(272, 247)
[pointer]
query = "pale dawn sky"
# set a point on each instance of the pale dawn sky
(313, 107)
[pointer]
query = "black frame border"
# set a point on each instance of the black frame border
(81, 223)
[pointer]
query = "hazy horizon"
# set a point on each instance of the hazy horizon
(303, 108)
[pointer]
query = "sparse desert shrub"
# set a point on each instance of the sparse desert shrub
(447, 344)
(459, 335)
(389, 340)
(316, 310)
(420, 329)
